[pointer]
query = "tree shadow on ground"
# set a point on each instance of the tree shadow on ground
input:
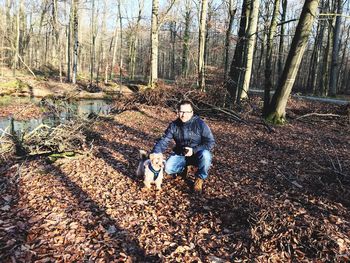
(13, 231)
(118, 238)
(105, 150)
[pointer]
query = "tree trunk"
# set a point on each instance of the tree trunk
(186, 40)
(134, 42)
(68, 32)
(327, 57)
(115, 37)
(201, 48)
(313, 72)
(231, 16)
(76, 41)
(154, 44)
(173, 41)
(15, 58)
(251, 37)
(9, 35)
(268, 64)
(281, 44)
(237, 65)
(276, 112)
(336, 39)
(343, 64)
(93, 42)
(121, 44)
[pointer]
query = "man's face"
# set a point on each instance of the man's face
(185, 113)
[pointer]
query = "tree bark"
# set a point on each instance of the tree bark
(93, 42)
(281, 44)
(268, 64)
(231, 16)
(154, 44)
(235, 79)
(336, 40)
(251, 37)
(276, 112)
(186, 40)
(76, 41)
(201, 46)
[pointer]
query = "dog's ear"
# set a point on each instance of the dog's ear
(143, 155)
(151, 156)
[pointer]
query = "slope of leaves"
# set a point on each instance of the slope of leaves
(280, 196)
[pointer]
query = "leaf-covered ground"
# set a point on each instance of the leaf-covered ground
(272, 196)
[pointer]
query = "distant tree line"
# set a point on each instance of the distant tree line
(260, 44)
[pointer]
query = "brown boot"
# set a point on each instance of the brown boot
(198, 185)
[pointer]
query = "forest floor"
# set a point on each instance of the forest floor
(273, 195)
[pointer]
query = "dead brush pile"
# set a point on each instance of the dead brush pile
(169, 96)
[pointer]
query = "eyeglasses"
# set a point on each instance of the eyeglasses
(183, 112)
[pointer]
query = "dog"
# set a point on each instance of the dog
(151, 169)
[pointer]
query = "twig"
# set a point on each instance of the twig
(336, 156)
(292, 182)
(226, 111)
(26, 65)
(318, 114)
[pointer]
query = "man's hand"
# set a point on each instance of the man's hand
(189, 151)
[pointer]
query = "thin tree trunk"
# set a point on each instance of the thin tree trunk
(115, 47)
(201, 49)
(231, 13)
(281, 44)
(9, 53)
(76, 41)
(276, 113)
(251, 37)
(268, 64)
(237, 65)
(68, 32)
(336, 39)
(343, 64)
(93, 40)
(15, 58)
(173, 41)
(186, 41)
(154, 44)
(121, 44)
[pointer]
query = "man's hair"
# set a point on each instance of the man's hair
(184, 102)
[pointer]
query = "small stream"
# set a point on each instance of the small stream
(81, 108)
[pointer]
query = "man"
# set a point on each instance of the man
(194, 141)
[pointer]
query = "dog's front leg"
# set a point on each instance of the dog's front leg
(159, 185)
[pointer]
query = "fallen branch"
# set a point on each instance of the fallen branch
(226, 111)
(318, 114)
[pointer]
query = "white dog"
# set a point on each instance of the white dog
(151, 169)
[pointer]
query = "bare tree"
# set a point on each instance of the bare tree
(202, 30)
(76, 40)
(232, 8)
(186, 38)
(276, 112)
(336, 39)
(268, 64)
(251, 37)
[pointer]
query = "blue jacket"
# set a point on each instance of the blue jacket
(194, 133)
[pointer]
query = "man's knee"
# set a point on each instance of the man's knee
(174, 165)
(169, 168)
(205, 155)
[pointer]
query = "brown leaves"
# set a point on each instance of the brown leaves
(92, 208)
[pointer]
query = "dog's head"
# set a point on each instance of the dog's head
(157, 160)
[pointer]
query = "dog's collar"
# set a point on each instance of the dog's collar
(155, 173)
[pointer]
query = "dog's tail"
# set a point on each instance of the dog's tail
(143, 155)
